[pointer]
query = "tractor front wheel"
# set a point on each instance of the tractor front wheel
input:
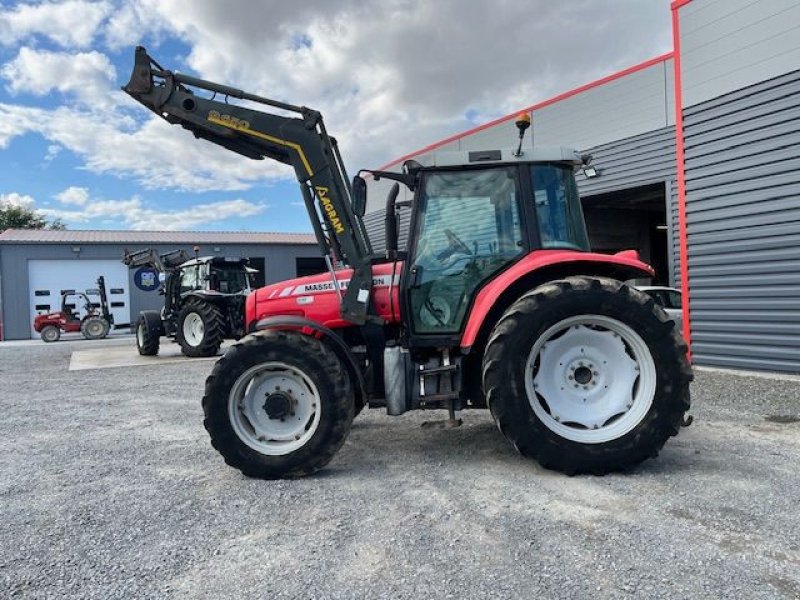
(278, 404)
(148, 333)
(50, 333)
(200, 329)
(587, 375)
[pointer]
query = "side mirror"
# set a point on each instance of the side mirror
(359, 196)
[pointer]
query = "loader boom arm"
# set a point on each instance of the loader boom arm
(150, 257)
(300, 141)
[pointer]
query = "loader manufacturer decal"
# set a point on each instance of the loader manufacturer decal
(244, 127)
(240, 124)
(327, 206)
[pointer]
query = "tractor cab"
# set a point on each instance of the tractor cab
(475, 214)
(216, 274)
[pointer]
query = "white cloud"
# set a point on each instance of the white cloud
(72, 23)
(16, 200)
(393, 75)
(86, 75)
(53, 150)
(135, 214)
(131, 23)
(156, 154)
(73, 195)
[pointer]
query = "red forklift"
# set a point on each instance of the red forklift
(94, 325)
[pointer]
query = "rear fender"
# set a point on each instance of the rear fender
(534, 270)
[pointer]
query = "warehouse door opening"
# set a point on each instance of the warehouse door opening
(631, 219)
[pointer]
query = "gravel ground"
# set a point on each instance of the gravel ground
(110, 489)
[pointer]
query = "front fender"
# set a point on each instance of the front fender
(536, 268)
(328, 336)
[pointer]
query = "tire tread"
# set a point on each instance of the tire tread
(551, 451)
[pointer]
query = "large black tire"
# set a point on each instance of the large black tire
(95, 328)
(213, 329)
(530, 318)
(50, 333)
(148, 334)
(296, 351)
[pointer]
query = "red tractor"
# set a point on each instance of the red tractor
(495, 302)
(94, 325)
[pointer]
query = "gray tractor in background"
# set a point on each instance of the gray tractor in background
(203, 301)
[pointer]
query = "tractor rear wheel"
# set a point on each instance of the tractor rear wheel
(50, 333)
(95, 328)
(278, 404)
(587, 375)
(200, 329)
(148, 334)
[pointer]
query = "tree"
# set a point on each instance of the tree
(20, 217)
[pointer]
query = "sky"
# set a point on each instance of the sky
(389, 76)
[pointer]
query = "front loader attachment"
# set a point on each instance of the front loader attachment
(300, 141)
(141, 82)
(149, 257)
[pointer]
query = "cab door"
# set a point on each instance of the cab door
(468, 226)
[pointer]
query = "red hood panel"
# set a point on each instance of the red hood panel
(315, 297)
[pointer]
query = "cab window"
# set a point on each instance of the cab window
(558, 207)
(469, 228)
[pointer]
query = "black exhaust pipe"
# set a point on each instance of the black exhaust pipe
(390, 221)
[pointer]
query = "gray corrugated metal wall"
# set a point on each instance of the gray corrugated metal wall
(730, 44)
(743, 217)
(632, 162)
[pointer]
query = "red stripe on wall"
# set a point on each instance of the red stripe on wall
(532, 107)
(683, 238)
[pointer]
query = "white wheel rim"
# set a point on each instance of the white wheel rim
(140, 335)
(248, 408)
(193, 329)
(590, 379)
(50, 334)
(95, 328)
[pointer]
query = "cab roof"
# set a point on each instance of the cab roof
(504, 155)
(215, 260)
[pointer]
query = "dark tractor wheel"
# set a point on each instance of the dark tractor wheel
(586, 375)
(200, 329)
(148, 334)
(50, 333)
(278, 404)
(95, 328)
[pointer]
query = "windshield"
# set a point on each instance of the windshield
(192, 278)
(558, 208)
(230, 280)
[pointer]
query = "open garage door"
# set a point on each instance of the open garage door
(48, 279)
(631, 219)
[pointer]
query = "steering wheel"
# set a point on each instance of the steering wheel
(455, 245)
